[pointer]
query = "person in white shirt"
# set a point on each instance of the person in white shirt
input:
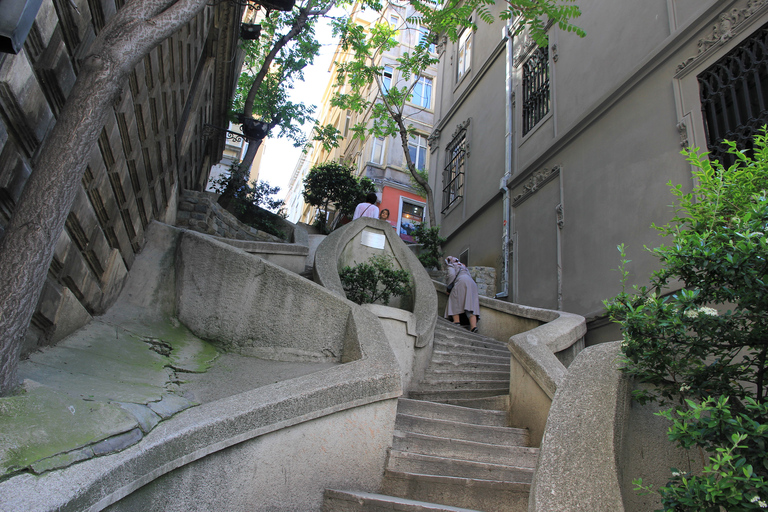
(368, 208)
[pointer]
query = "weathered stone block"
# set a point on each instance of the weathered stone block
(23, 102)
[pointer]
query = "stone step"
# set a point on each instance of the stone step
(446, 412)
(485, 495)
(496, 403)
(468, 338)
(458, 357)
(518, 456)
(444, 365)
(437, 374)
(431, 384)
(466, 348)
(449, 396)
(353, 501)
(416, 463)
(505, 436)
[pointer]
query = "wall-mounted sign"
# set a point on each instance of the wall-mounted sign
(374, 240)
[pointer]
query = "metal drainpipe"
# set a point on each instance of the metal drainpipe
(508, 139)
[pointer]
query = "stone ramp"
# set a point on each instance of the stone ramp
(452, 448)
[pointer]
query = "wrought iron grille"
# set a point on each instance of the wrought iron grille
(734, 95)
(535, 88)
(453, 174)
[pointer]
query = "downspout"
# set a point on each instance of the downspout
(508, 140)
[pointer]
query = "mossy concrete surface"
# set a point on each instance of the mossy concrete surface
(98, 391)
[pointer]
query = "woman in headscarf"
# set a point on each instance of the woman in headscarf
(463, 297)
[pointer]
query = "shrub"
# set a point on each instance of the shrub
(704, 347)
(375, 281)
(250, 202)
(431, 242)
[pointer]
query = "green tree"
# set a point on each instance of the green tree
(334, 184)
(252, 203)
(273, 63)
(389, 113)
(431, 255)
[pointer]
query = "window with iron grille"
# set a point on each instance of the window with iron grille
(453, 174)
(734, 96)
(535, 88)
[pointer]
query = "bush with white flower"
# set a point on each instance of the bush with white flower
(704, 347)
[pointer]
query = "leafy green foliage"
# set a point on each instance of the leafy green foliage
(718, 253)
(335, 184)
(455, 15)
(375, 281)
(431, 242)
(707, 342)
(251, 203)
(736, 442)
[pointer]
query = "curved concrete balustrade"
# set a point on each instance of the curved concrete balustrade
(273, 447)
(596, 442)
(542, 342)
(413, 326)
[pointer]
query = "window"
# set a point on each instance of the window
(424, 39)
(465, 54)
(535, 88)
(734, 96)
(411, 217)
(386, 78)
(453, 174)
(422, 92)
(377, 151)
(417, 148)
(394, 22)
(347, 123)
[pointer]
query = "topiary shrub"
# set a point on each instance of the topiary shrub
(375, 281)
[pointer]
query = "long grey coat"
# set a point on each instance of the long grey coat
(464, 296)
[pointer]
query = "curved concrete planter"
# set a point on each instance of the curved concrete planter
(410, 327)
(258, 450)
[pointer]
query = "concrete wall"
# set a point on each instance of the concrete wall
(149, 148)
(286, 470)
(597, 441)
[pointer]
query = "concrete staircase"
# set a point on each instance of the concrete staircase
(452, 450)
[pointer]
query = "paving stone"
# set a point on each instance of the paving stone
(170, 405)
(118, 442)
(146, 417)
(62, 460)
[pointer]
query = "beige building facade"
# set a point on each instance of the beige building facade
(380, 159)
(545, 159)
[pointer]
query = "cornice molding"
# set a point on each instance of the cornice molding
(730, 23)
(534, 183)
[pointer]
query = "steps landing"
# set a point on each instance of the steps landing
(452, 449)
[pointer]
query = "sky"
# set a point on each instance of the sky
(280, 156)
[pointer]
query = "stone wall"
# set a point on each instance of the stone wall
(485, 277)
(151, 146)
(199, 211)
